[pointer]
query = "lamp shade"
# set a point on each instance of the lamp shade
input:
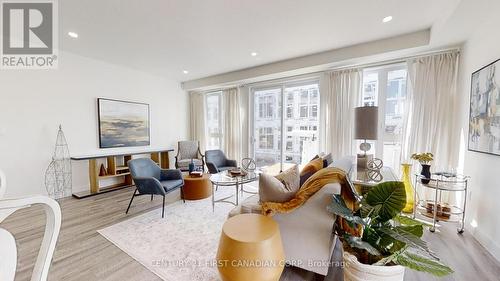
(366, 123)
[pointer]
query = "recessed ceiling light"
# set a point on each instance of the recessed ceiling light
(185, 71)
(387, 19)
(253, 54)
(73, 34)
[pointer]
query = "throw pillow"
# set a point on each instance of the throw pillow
(327, 160)
(310, 168)
(290, 178)
(320, 155)
(272, 189)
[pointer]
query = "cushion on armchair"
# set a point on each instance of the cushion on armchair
(171, 184)
(185, 163)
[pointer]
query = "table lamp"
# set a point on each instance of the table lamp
(366, 120)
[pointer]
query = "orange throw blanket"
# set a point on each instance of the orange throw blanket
(310, 187)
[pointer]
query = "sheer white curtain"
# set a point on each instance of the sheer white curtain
(431, 102)
(197, 118)
(338, 100)
(232, 124)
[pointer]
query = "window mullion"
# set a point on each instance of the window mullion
(282, 130)
(382, 100)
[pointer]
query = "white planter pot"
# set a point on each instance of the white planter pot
(356, 271)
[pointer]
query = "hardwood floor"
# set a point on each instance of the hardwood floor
(83, 254)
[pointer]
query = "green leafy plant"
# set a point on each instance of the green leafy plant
(424, 158)
(386, 237)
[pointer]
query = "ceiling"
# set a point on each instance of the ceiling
(207, 37)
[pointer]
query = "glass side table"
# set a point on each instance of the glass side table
(363, 183)
(435, 210)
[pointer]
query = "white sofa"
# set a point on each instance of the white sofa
(306, 232)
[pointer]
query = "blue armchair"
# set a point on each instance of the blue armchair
(150, 180)
(218, 162)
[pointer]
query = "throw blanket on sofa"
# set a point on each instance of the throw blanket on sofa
(310, 187)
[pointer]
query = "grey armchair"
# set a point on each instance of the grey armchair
(150, 180)
(189, 151)
(218, 162)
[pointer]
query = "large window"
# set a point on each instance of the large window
(386, 88)
(214, 120)
(282, 138)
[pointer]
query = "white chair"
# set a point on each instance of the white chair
(8, 248)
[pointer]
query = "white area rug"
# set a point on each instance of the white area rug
(183, 245)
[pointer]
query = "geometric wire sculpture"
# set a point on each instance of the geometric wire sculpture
(374, 175)
(373, 168)
(375, 164)
(248, 164)
(58, 173)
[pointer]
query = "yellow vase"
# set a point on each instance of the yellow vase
(405, 178)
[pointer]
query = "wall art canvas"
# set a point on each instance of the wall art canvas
(123, 123)
(484, 121)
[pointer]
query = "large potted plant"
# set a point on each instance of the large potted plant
(378, 241)
(425, 160)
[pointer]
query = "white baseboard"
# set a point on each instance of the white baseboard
(486, 241)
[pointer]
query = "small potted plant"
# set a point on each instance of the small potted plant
(425, 159)
(379, 243)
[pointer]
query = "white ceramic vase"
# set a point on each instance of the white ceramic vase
(356, 271)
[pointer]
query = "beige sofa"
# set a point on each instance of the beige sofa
(306, 232)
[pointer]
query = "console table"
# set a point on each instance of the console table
(116, 168)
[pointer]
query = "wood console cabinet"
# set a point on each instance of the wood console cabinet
(117, 170)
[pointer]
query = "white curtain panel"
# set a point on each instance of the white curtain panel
(232, 124)
(339, 100)
(197, 118)
(431, 103)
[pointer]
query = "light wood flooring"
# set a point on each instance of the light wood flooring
(83, 254)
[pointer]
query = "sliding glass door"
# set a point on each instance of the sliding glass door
(267, 127)
(385, 87)
(285, 125)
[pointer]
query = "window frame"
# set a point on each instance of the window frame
(381, 100)
(282, 85)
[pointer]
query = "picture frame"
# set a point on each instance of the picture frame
(123, 123)
(484, 110)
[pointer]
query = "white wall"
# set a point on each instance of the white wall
(481, 49)
(33, 104)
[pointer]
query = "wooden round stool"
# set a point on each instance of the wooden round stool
(250, 249)
(196, 188)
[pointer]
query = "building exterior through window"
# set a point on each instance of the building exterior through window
(295, 130)
(214, 121)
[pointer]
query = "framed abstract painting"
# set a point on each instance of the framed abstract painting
(123, 123)
(484, 118)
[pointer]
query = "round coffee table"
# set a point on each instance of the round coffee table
(250, 249)
(196, 188)
(224, 178)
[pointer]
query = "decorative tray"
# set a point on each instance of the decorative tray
(196, 174)
(237, 173)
